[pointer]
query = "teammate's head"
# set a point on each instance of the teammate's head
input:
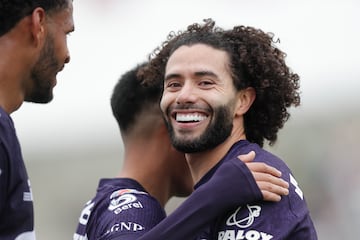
(253, 62)
(136, 108)
(12, 11)
(33, 38)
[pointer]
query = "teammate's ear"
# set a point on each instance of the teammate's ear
(245, 99)
(38, 25)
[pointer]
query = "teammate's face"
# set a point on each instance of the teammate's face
(198, 99)
(43, 74)
(53, 56)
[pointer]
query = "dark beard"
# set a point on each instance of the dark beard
(216, 133)
(45, 67)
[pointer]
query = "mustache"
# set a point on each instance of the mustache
(188, 107)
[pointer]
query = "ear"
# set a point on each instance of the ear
(38, 21)
(245, 99)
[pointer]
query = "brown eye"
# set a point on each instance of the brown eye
(206, 83)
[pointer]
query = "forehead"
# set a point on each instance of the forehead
(198, 57)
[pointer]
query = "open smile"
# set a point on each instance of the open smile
(190, 117)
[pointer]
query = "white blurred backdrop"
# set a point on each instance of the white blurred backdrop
(73, 141)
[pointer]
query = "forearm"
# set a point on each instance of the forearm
(208, 201)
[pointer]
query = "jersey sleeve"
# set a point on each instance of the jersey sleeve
(231, 185)
(126, 216)
(287, 219)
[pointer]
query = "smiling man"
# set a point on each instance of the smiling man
(33, 50)
(225, 93)
(129, 205)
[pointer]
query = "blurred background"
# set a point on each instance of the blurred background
(73, 141)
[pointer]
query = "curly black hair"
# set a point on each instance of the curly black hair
(12, 11)
(255, 62)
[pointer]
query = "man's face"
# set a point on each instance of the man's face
(199, 98)
(53, 56)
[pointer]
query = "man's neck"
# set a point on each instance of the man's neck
(11, 98)
(148, 167)
(202, 162)
(12, 65)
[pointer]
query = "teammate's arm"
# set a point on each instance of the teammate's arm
(211, 199)
(267, 178)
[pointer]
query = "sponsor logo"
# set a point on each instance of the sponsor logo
(124, 226)
(244, 221)
(124, 199)
(124, 191)
(243, 235)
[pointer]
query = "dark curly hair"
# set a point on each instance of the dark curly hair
(12, 11)
(255, 62)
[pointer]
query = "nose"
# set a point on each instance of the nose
(187, 94)
(67, 58)
(67, 54)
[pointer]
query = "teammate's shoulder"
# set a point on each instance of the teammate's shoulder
(263, 155)
(295, 201)
(124, 193)
(119, 211)
(296, 198)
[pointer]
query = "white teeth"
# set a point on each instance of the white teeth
(189, 117)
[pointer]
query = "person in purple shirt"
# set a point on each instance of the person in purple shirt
(225, 93)
(33, 50)
(130, 204)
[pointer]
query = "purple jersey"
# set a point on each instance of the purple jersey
(287, 219)
(121, 209)
(192, 218)
(195, 213)
(16, 203)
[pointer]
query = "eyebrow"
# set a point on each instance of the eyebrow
(197, 74)
(205, 73)
(172, 75)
